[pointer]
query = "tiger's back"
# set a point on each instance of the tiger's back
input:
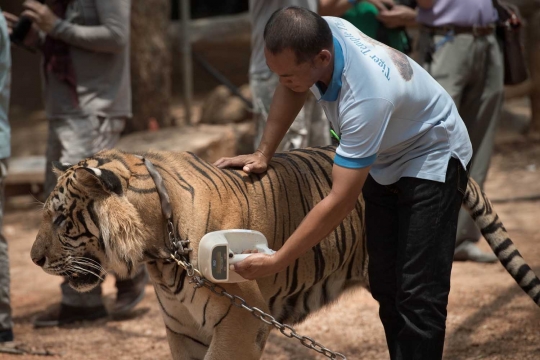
(275, 203)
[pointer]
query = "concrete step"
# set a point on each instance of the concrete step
(210, 142)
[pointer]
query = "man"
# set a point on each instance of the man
(6, 323)
(87, 101)
(402, 143)
(310, 127)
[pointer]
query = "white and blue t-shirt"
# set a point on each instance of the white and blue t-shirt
(389, 112)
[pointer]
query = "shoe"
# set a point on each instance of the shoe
(66, 314)
(130, 293)
(468, 251)
(6, 335)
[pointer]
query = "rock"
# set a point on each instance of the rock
(223, 107)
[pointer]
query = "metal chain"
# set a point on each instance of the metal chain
(199, 280)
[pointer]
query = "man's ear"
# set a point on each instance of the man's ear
(60, 168)
(99, 181)
(323, 58)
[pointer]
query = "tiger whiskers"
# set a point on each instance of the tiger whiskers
(80, 270)
(37, 202)
(84, 262)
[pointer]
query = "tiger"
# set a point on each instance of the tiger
(105, 214)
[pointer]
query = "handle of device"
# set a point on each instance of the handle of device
(237, 258)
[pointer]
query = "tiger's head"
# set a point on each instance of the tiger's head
(89, 225)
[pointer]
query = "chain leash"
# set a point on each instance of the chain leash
(200, 281)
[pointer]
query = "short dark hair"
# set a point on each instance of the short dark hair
(303, 31)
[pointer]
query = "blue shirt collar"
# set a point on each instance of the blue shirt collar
(332, 92)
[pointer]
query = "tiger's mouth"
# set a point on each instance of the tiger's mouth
(84, 275)
(82, 282)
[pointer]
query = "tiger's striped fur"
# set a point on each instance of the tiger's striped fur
(107, 209)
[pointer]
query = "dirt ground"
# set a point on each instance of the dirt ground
(489, 316)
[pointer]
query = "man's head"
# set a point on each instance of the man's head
(298, 47)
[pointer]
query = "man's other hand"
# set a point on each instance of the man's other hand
(252, 163)
(382, 5)
(398, 16)
(40, 14)
(31, 39)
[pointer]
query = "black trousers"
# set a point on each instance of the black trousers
(411, 234)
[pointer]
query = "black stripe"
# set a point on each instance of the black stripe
(503, 246)
(271, 183)
(204, 311)
(187, 336)
(510, 257)
(224, 316)
(532, 284)
(142, 191)
(491, 227)
(273, 300)
(180, 284)
(120, 159)
(165, 310)
(522, 272)
(205, 175)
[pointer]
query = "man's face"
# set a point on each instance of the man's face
(295, 76)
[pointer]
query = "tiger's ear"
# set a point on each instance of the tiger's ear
(59, 168)
(99, 181)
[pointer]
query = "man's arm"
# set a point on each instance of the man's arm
(285, 106)
(111, 36)
(425, 4)
(334, 7)
(320, 221)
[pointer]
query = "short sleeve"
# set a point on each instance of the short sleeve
(362, 126)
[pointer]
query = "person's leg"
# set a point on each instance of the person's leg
(533, 44)
(70, 141)
(470, 70)
(480, 109)
(318, 124)
(130, 292)
(382, 240)
(428, 213)
(263, 87)
(6, 322)
(262, 91)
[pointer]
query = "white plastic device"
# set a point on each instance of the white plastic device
(220, 249)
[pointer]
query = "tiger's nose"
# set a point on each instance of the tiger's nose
(39, 262)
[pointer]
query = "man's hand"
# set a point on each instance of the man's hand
(382, 5)
(31, 39)
(256, 162)
(257, 266)
(399, 15)
(40, 14)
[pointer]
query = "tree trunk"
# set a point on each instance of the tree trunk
(150, 65)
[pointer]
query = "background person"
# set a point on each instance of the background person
(6, 322)
(367, 16)
(86, 81)
(311, 126)
(458, 47)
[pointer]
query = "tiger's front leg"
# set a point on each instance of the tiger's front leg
(240, 336)
(184, 347)
(236, 334)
